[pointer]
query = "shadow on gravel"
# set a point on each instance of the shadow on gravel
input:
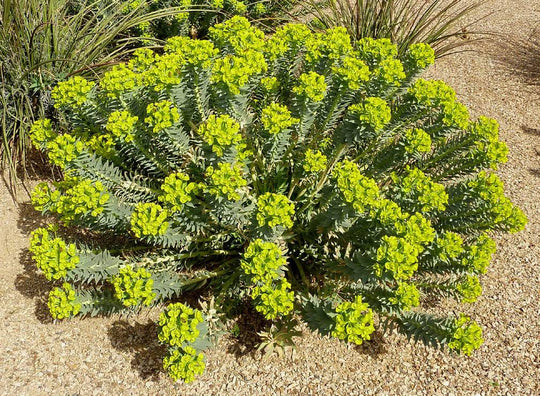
(520, 57)
(245, 332)
(141, 341)
(30, 283)
(375, 347)
(29, 218)
(534, 132)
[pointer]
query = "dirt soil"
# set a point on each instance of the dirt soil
(120, 356)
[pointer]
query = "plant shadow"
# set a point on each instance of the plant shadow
(536, 133)
(29, 218)
(520, 57)
(245, 337)
(31, 284)
(140, 339)
(374, 347)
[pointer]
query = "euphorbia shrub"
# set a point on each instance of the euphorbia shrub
(315, 178)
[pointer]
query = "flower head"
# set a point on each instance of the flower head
(354, 321)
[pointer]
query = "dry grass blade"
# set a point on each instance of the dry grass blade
(44, 41)
(406, 22)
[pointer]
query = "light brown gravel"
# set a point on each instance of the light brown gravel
(118, 356)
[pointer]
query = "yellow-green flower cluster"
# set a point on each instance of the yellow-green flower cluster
(486, 185)
(275, 47)
(416, 230)
(41, 133)
(456, 115)
(273, 300)
(332, 45)
(238, 34)
(182, 16)
(478, 256)
(398, 256)
(238, 6)
(315, 161)
(490, 189)
(352, 71)
(133, 287)
(226, 180)
(132, 6)
(275, 210)
(376, 50)
(149, 219)
(449, 245)
(270, 84)
(432, 93)
(373, 111)
(85, 197)
(52, 255)
(165, 72)
(358, 190)
(417, 141)
(262, 260)
(493, 151)
(467, 336)
(177, 191)
(220, 133)
(235, 71)
(198, 53)
(119, 80)
(387, 212)
(419, 56)
(390, 71)
(63, 302)
(259, 9)
(184, 364)
(470, 289)
(178, 324)
(276, 118)
(161, 115)
(102, 145)
(432, 196)
(71, 93)
(485, 129)
(44, 198)
(312, 86)
(64, 149)
(353, 322)
(142, 59)
(288, 37)
(406, 296)
(121, 125)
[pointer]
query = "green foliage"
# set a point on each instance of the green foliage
(255, 170)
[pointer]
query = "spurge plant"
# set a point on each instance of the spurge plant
(313, 178)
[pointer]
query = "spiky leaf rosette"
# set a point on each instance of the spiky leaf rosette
(311, 176)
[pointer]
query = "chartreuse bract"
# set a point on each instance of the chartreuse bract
(302, 174)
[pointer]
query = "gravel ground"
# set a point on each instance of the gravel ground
(120, 356)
